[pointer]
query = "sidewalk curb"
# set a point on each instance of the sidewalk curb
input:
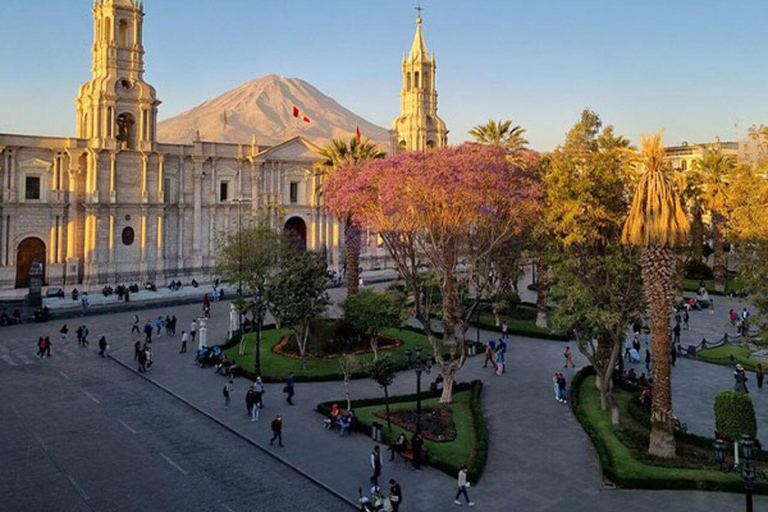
(250, 441)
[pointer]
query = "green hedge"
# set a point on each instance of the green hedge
(735, 415)
(619, 463)
(480, 448)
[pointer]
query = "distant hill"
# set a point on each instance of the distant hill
(264, 107)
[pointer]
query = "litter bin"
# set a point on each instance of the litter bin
(376, 431)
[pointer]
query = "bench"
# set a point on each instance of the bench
(55, 292)
(407, 454)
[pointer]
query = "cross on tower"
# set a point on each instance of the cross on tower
(418, 10)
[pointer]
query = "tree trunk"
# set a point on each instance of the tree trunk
(347, 395)
(352, 248)
(697, 231)
(719, 264)
(386, 406)
(541, 294)
(447, 395)
(658, 274)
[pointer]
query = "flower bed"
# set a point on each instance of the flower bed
(436, 422)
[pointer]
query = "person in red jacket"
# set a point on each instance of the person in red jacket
(277, 431)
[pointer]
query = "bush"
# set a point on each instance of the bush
(735, 415)
(696, 269)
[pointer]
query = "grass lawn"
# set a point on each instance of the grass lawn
(276, 367)
(629, 466)
(456, 452)
(733, 283)
(519, 327)
(722, 355)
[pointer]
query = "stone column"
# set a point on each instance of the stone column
(197, 221)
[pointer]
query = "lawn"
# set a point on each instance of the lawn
(627, 464)
(470, 445)
(519, 327)
(722, 355)
(276, 367)
(733, 283)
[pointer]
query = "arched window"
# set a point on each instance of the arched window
(408, 81)
(427, 85)
(126, 131)
(431, 144)
(107, 29)
(123, 33)
(416, 80)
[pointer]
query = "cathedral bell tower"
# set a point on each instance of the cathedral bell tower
(117, 109)
(418, 127)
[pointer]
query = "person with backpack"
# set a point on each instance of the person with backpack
(227, 392)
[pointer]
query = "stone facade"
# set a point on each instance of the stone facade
(114, 205)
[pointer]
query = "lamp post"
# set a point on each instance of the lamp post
(260, 310)
(420, 365)
(748, 473)
(239, 202)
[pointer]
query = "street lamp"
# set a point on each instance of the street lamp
(748, 473)
(258, 301)
(420, 365)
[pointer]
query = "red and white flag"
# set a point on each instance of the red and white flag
(359, 135)
(297, 113)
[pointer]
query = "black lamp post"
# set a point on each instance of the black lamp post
(260, 310)
(420, 365)
(748, 473)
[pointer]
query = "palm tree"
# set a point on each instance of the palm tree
(657, 223)
(501, 133)
(714, 169)
(338, 153)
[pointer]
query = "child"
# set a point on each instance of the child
(499, 362)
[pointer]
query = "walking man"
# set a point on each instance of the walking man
(135, 328)
(258, 399)
(193, 330)
(63, 331)
(686, 320)
(395, 495)
(676, 332)
(288, 389)
(184, 339)
(227, 392)
(148, 332)
(463, 484)
(375, 466)
(416, 445)
(102, 345)
(277, 431)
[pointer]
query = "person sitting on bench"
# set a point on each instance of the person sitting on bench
(399, 446)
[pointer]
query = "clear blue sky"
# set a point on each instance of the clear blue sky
(692, 67)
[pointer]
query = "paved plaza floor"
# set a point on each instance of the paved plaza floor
(85, 433)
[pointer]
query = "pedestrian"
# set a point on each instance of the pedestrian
(135, 327)
(136, 350)
(249, 401)
(148, 332)
(499, 362)
(416, 445)
(676, 333)
(627, 348)
(647, 361)
(103, 345)
(227, 392)
(740, 376)
(193, 330)
(489, 354)
(569, 357)
(562, 386)
(142, 360)
(79, 333)
(556, 386)
(288, 389)
(41, 347)
(47, 347)
(277, 431)
(173, 325)
(63, 332)
(504, 329)
(150, 356)
(184, 339)
(85, 333)
(375, 466)
(395, 495)
(686, 320)
(167, 324)
(159, 323)
(258, 399)
(207, 311)
(759, 375)
(463, 485)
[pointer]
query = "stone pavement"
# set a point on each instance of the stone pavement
(540, 459)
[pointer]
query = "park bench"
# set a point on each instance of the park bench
(407, 454)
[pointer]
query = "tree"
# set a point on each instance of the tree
(657, 224)
(251, 256)
(503, 134)
(451, 206)
(371, 312)
(714, 170)
(382, 371)
(348, 364)
(296, 294)
(597, 287)
(339, 153)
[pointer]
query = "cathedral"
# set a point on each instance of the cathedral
(115, 205)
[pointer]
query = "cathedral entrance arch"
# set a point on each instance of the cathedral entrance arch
(296, 231)
(30, 250)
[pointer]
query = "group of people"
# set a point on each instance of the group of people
(740, 321)
(144, 355)
(559, 385)
(495, 353)
(13, 318)
(340, 418)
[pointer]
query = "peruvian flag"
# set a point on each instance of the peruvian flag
(359, 135)
(297, 113)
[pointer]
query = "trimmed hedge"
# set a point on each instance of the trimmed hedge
(532, 332)
(735, 415)
(480, 449)
(621, 466)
